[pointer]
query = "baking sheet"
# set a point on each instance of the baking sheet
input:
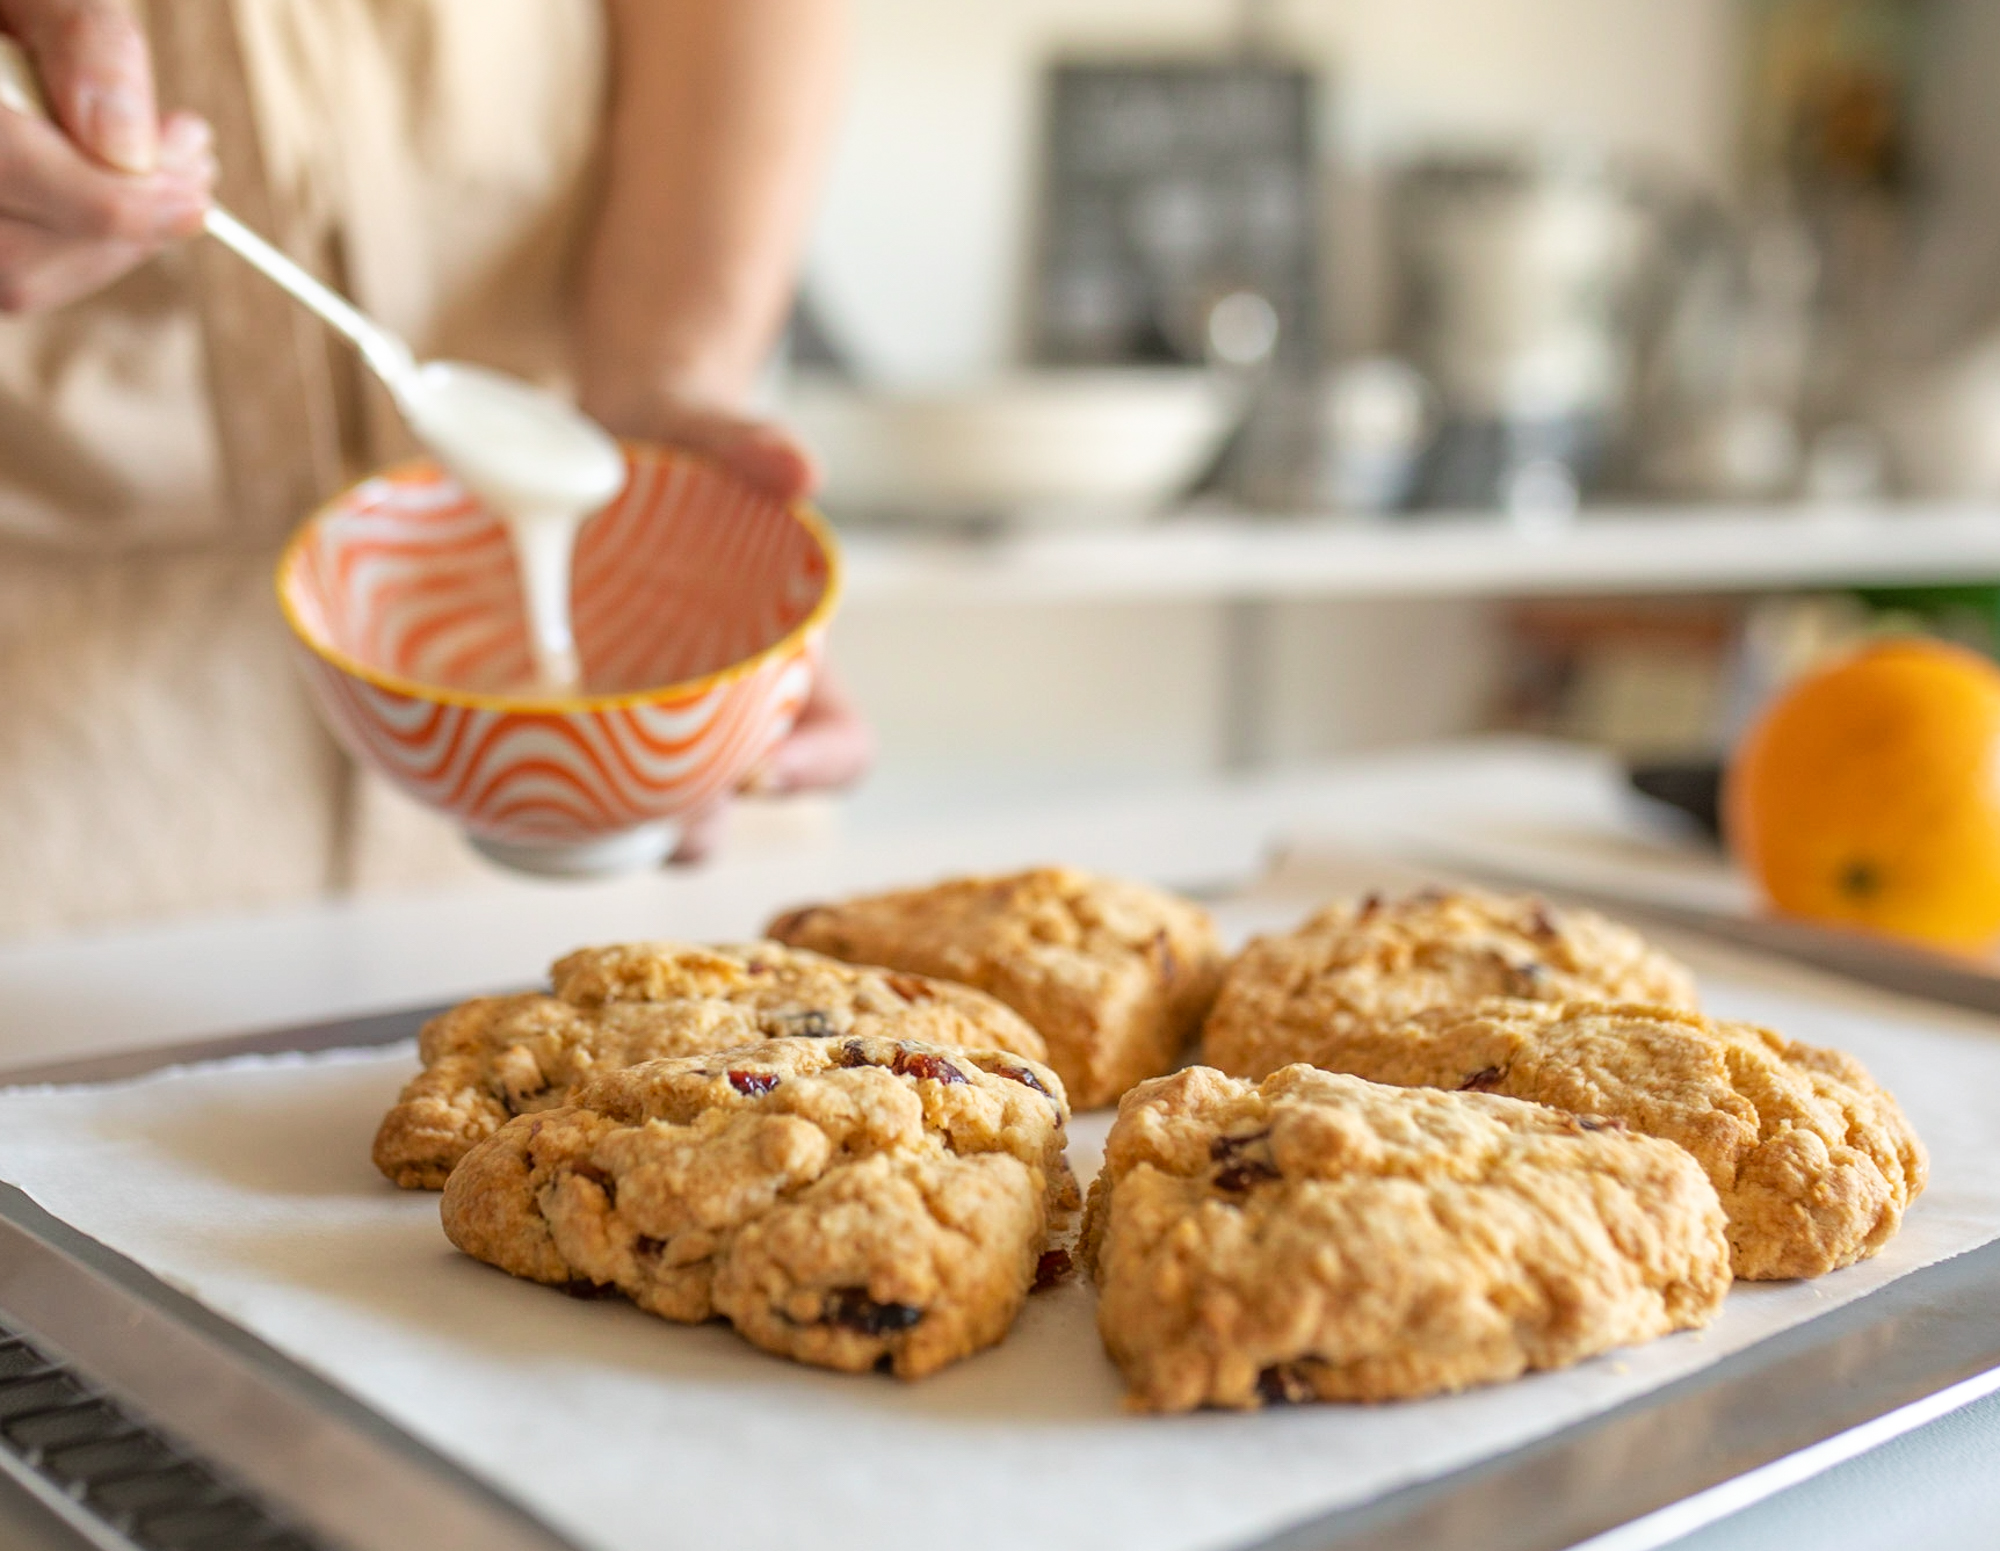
(246, 1184)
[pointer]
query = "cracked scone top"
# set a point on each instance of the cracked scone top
(1814, 1161)
(612, 1007)
(1318, 1237)
(1114, 975)
(1374, 963)
(854, 1202)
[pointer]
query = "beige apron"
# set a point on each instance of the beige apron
(159, 440)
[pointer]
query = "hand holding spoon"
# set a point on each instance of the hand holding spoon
(534, 458)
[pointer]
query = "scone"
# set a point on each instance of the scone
(1317, 1237)
(1814, 1162)
(613, 1007)
(1375, 963)
(1114, 975)
(854, 1202)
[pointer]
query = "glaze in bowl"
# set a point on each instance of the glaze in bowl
(700, 608)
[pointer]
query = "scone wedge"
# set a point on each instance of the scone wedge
(1114, 975)
(497, 1057)
(1815, 1162)
(1318, 1237)
(854, 1203)
(1373, 963)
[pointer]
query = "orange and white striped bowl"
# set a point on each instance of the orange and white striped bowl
(700, 609)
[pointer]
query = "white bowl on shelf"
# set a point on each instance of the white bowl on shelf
(1058, 445)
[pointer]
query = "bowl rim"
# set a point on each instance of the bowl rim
(804, 513)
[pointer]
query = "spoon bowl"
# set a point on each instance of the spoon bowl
(520, 447)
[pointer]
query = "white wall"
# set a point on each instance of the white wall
(917, 261)
(980, 703)
(1367, 674)
(1648, 78)
(918, 255)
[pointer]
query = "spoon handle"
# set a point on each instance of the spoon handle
(384, 350)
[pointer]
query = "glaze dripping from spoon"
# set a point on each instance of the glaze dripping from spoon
(537, 461)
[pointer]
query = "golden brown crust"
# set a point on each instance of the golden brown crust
(847, 1202)
(1320, 1237)
(1116, 976)
(613, 1007)
(1814, 1162)
(1374, 963)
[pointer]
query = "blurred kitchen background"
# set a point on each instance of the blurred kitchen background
(1217, 383)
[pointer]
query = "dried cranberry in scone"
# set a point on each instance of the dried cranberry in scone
(1114, 975)
(856, 1203)
(613, 1007)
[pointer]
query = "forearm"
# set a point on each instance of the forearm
(719, 117)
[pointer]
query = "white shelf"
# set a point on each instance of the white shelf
(1605, 550)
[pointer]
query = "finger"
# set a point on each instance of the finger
(831, 747)
(39, 271)
(187, 149)
(701, 835)
(45, 180)
(819, 759)
(97, 74)
(755, 451)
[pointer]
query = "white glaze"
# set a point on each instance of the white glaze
(541, 465)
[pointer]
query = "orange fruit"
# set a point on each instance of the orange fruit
(1869, 794)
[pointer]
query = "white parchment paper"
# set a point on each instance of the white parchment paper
(247, 1184)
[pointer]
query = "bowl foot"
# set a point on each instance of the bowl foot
(629, 850)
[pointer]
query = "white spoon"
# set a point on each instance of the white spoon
(533, 457)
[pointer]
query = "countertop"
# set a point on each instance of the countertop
(77, 995)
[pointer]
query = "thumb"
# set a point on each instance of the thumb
(701, 835)
(97, 74)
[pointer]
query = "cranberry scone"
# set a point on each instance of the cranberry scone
(1814, 1161)
(1373, 963)
(855, 1203)
(497, 1057)
(1114, 975)
(1318, 1237)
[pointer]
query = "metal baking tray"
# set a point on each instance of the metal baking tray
(206, 1438)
